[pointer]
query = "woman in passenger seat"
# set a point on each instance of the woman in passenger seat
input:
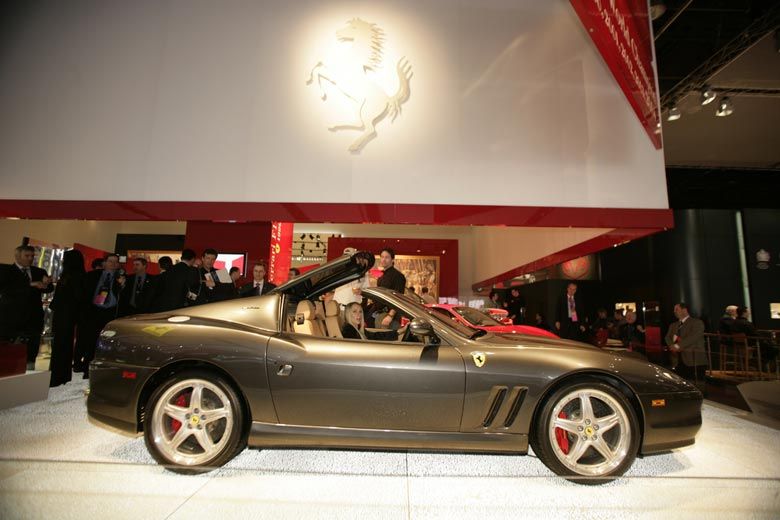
(354, 327)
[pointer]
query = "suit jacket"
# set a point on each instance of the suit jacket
(221, 291)
(91, 281)
(143, 300)
(690, 339)
(21, 311)
(562, 310)
(172, 286)
(249, 289)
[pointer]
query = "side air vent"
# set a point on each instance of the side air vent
(516, 397)
(497, 395)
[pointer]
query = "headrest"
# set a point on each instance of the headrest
(319, 311)
(305, 311)
(331, 309)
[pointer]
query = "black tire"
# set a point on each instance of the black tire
(578, 455)
(227, 435)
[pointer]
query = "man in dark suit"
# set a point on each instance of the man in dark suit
(177, 286)
(570, 315)
(685, 338)
(102, 288)
(211, 289)
(393, 279)
(136, 296)
(259, 285)
(21, 311)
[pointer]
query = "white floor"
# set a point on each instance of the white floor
(55, 464)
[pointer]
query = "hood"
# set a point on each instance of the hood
(528, 340)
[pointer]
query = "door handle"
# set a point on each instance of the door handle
(285, 370)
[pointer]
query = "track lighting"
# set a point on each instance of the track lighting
(674, 114)
(707, 95)
(725, 108)
(657, 9)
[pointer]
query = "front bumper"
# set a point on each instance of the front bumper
(671, 420)
(114, 391)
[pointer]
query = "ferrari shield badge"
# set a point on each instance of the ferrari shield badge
(479, 358)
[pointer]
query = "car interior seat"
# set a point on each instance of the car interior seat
(305, 319)
(332, 326)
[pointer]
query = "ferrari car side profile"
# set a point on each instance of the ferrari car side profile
(204, 382)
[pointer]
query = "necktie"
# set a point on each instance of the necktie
(138, 284)
(28, 273)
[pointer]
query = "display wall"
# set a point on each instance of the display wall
(509, 103)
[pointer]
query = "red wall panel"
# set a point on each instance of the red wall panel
(252, 238)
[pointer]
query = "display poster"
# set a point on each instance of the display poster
(280, 256)
(420, 271)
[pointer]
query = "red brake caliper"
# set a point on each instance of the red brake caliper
(180, 401)
(561, 437)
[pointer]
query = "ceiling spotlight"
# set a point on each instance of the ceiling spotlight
(725, 108)
(674, 114)
(707, 95)
(657, 9)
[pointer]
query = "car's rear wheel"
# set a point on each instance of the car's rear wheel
(587, 432)
(193, 422)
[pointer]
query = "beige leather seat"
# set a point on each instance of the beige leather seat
(306, 319)
(332, 325)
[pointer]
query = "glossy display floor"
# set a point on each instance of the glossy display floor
(55, 464)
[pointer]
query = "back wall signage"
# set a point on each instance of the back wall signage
(354, 76)
(472, 103)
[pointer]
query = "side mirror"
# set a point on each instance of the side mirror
(421, 328)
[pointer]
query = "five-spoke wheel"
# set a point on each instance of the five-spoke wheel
(193, 420)
(588, 429)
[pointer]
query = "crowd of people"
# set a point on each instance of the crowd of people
(85, 301)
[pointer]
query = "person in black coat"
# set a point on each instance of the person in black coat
(101, 289)
(515, 306)
(210, 289)
(21, 311)
(570, 321)
(67, 302)
(259, 285)
(177, 286)
(353, 328)
(136, 296)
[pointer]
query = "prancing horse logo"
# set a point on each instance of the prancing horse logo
(479, 358)
(372, 103)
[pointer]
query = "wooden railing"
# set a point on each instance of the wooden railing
(741, 357)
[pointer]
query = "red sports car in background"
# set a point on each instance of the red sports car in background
(475, 319)
(500, 315)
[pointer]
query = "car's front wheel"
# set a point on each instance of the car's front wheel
(194, 421)
(589, 430)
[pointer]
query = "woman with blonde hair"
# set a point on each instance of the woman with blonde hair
(354, 328)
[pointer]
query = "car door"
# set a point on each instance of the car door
(348, 383)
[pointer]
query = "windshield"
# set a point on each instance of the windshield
(449, 321)
(476, 318)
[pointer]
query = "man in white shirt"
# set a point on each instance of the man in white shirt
(259, 285)
(427, 297)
